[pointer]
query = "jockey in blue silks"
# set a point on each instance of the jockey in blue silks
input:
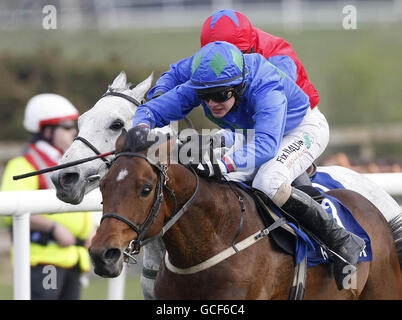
(247, 92)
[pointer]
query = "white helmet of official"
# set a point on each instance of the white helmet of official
(48, 109)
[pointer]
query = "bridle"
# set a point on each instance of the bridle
(141, 229)
(110, 92)
(136, 244)
(94, 149)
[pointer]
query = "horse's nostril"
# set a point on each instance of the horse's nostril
(112, 255)
(69, 178)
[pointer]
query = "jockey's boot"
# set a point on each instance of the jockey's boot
(314, 218)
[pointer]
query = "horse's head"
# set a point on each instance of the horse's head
(100, 126)
(133, 206)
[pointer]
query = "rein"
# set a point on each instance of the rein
(136, 244)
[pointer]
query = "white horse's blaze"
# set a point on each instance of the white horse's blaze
(122, 174)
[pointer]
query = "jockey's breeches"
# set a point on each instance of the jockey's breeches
(297, 151)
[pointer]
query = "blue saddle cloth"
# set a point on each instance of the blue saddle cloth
(305, 245)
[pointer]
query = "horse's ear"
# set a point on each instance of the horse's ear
(121, 141)
(120, 82)
(141, 89)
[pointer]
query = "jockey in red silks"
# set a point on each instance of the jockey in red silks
(234, 27)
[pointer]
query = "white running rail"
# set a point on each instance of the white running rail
(390, 182)
(20, 205)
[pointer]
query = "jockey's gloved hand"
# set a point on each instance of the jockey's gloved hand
(206, 169)
(139, 138)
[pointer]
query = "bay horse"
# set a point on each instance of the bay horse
(140, 197)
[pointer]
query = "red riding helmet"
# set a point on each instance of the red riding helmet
(230, 26)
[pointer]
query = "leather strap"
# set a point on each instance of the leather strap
(93, 148)
(124, 96)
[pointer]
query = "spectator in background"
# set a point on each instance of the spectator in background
(341, 159)
(395, 167)
(59, 240)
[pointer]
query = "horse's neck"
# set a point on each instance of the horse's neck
(203, 208)
(209, 224)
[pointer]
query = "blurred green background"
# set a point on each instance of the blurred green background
(357, 72)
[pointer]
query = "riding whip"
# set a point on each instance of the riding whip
(62, 166)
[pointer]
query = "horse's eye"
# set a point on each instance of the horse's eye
(146, 190)
(116, 125)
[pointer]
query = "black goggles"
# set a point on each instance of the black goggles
(220, 96)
